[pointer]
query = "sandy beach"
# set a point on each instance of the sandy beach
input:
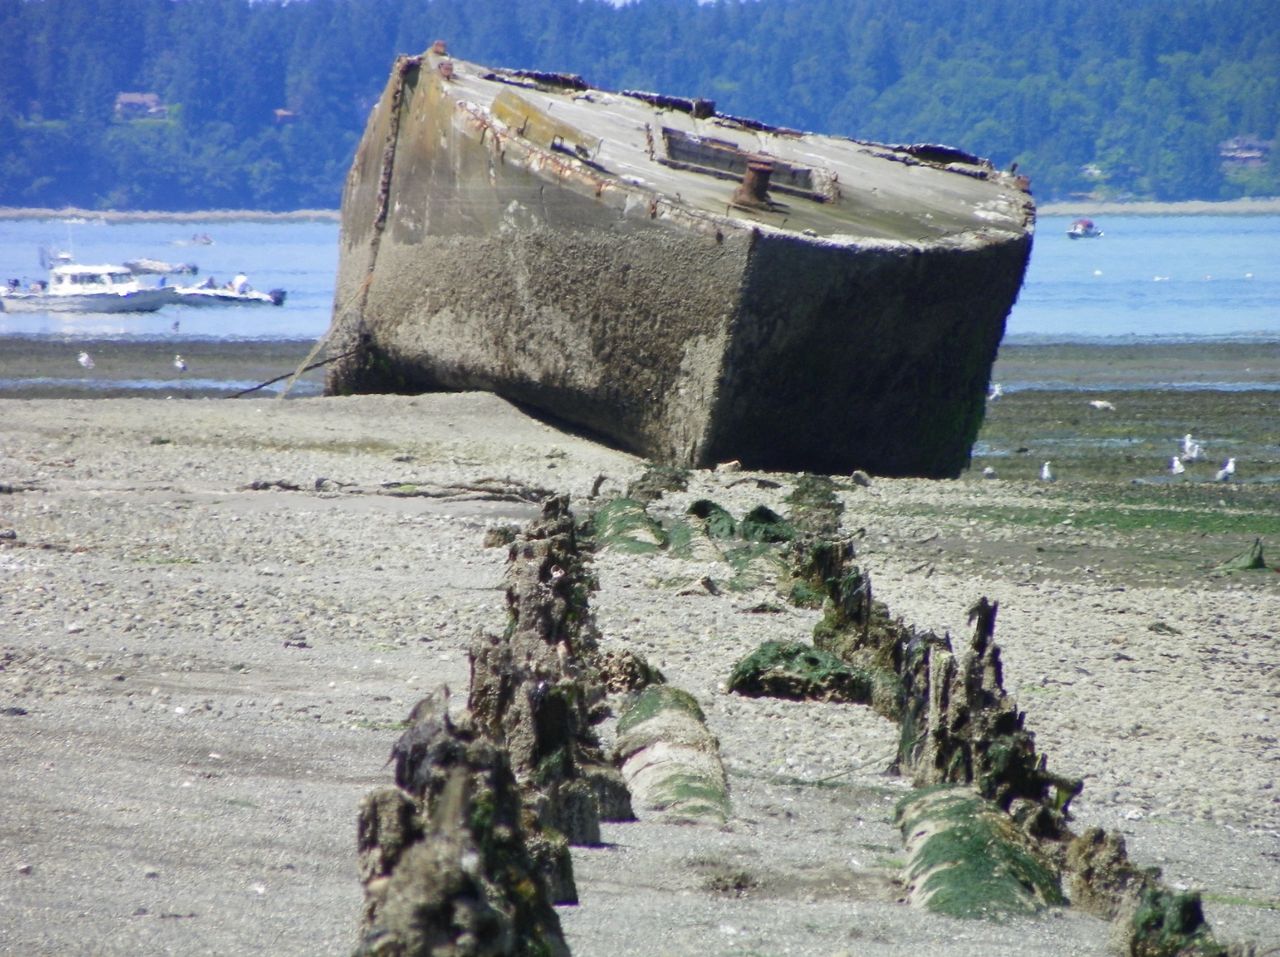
(218, 613)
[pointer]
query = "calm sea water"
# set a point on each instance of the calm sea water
(1152, 278)
(298, 257)
(1148, 279)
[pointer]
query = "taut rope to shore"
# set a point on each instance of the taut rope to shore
(308, 363)
(307, 366)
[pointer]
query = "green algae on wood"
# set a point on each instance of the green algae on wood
(624, 525)
(715, 519)
(763, 524)
(655, 699)
(815, 507)
(790, 669)
(817, 563)
(657, 480)
(1168, 923)
(669, 757)
(1100, 876)
(968, 859)
(450, 855)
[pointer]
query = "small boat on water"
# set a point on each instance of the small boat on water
(1083, 229)
(211, 295)
(158, 267)
(74, 287)
(200, 296)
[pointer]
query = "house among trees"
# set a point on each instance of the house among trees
(1247, 152)
(140, 106)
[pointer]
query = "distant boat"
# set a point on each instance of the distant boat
(73, 287)
(158, 267)
(237, 292)
(1083, 229)
(207, 295)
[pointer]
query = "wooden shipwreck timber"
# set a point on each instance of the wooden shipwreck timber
(691, 286)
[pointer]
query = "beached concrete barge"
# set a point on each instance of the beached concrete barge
(692, 286)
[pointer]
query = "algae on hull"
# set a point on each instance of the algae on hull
(595, 256)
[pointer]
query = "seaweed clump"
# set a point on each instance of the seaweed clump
(800, 672)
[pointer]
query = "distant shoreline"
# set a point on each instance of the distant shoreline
(1234, 207)
(1194, 207)
(160, 216)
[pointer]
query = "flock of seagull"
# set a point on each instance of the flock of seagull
(1192, 450)
(86, 362)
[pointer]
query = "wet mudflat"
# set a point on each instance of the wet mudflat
(41, 367)
(1127, 364)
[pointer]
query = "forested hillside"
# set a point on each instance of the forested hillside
(260, 103)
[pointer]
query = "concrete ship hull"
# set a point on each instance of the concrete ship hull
(607, 259)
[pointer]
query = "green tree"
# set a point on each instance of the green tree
(1128, 101)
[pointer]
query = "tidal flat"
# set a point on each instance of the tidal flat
(220, 612)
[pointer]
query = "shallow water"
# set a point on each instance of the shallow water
(228, 349)
(45, 367)
(1152, 279)
(299, 257)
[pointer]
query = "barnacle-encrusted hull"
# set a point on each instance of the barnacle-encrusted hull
(691, 286)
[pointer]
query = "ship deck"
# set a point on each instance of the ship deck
(836, 188)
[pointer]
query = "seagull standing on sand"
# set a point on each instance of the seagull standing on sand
(1102, 404)
(85, 360)
(180, 363)
(1046, 473)
(1191, 449)
(1176, 466)
(1227, 472)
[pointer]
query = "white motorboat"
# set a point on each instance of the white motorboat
(207, 294)
(73, 287)
(158, 267)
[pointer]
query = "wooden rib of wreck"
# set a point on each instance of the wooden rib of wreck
(692, 286)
